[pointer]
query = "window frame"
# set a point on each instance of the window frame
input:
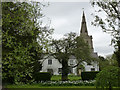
(49, 61)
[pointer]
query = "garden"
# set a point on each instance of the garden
(25, 39)
(107, 78)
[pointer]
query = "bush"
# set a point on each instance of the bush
(8, 80)
(108, 77)
(89, 75)
(42, 76)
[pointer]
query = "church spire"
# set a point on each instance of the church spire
(83, 30)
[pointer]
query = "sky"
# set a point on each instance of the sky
(66, 17)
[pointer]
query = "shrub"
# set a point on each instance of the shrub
(108, 77)
(89, 75)
(8, 80)
(42, 76)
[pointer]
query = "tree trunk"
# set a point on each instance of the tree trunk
(110, 87)
(118, 59)
(117, 53)
(64, 70)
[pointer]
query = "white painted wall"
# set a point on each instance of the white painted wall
(88, 67)
(56, 64)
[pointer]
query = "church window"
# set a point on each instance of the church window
(49, 62)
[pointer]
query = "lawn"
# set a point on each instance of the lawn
(38, 86)
(70, 77)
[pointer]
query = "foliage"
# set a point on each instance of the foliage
(108, 77)
(102, 62)
(110, 23)
(112, 60)
(81, 50)
(70, 45)
(90, 75)
(21, 32)
(42, 76)
(108, 61)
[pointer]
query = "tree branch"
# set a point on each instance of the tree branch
(76, 64)
(115, 10)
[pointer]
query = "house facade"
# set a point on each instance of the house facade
(55, 67)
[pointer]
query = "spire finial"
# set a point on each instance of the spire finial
(83, 11)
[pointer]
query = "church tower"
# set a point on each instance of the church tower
(84, 33)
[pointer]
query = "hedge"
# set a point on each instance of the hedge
(42, 76)
(90, 75)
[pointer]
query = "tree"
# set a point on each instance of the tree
(108, 77)
(108, 61)
(21, 32)
(67, 46)
(111, 23)
(102, 62)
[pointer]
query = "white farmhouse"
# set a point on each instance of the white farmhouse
(55, 67)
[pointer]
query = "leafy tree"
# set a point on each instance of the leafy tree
(110, 23)
(112, 60)
(21, 32)
(108, 77)
(102, 62)
(108, 61)
(67, 46)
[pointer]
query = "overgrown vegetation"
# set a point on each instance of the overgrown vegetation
(108, 77)
(110, 23)
(22, 41)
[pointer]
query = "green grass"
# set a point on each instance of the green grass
(56, 78)
(38, 86)
(70, 77)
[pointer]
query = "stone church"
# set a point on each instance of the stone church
(55, 67)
